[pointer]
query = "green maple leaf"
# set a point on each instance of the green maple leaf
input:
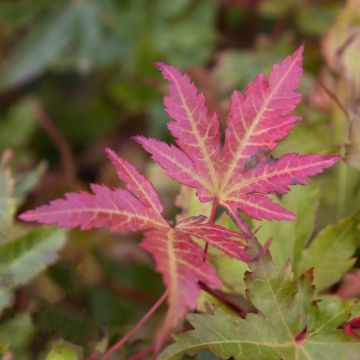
(289, 325)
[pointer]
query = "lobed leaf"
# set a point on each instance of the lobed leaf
(178, 258)
(239, 175)
(283, 328)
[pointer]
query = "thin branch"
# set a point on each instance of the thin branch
(142, 321)
(140, 355)
(334, 97)
(67, 160)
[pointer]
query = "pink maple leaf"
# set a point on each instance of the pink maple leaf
(178, 258)
(257, 120)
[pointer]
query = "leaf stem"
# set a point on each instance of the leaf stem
(211, 221)
(142, 354)
(60, 142)
(142, 321)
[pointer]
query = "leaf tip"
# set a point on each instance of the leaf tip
(110, 153)
(300, 49)
(160, 65)
(25, 216)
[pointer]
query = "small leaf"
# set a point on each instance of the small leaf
(25, 257)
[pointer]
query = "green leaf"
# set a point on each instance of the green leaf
(327, 313)
(330, 253)
(7, 186)
(231, 272)
(25, 183)
(64, 351)
(17, 126)
(274, 332)
(40, 47)
(289, 238)
(25, 257)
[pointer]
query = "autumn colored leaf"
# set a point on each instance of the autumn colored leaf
(215, 235)
(178, 258)
(239, 175)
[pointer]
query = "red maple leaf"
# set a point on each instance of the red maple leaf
(231, 174)
(178, 258)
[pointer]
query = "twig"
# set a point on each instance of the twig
(142, 321)
(67, 161)
(334, 97)
(140, 355)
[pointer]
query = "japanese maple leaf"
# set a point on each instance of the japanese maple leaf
(232, 174)
(178, 258)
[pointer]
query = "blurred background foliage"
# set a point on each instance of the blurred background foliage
(78, 75)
